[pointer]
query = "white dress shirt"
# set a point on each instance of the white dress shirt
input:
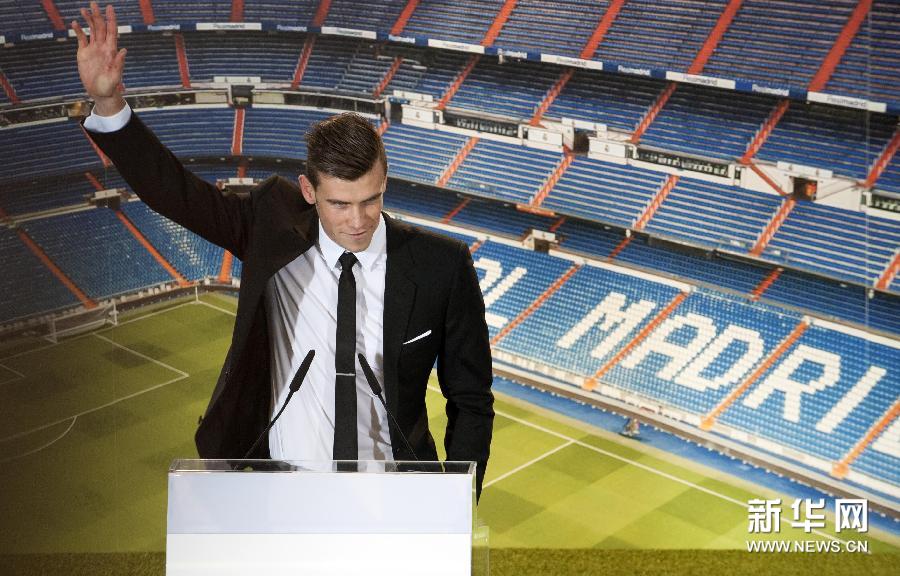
(98, 123)
(301, 308)
(301, 305)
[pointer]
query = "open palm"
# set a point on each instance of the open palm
(100, 62)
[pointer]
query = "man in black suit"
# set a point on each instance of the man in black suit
(432, 305)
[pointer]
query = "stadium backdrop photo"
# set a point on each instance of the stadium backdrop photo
(684, 216)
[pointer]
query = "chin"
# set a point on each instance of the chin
(358, 244)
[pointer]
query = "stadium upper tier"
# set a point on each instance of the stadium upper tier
(700, 121)
(196, 259)
(840, 47)
(842, 244)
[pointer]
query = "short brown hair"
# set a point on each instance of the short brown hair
(344, 146)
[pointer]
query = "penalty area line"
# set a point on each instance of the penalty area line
(636, 463)
(181, 376)
(144, 356)
(17, 375)
(529, 463)
(214, 307)
(94, 409)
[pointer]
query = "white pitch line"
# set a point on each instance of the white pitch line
(527, 464)
(19, 375)
(214, 307)
(88, 335)
(145, 316)
(181, 376)
(94, 409)
(42, 348)
(45, 446)
(635, 463)
(144, 356)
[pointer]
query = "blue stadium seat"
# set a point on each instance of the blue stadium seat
(843, 140)
(868, 69)
(364, 14)
(288, 12)
(44, 194)
(18, 17)
(504, 171)
(168, 11)
(463, 21)
(271, 56)
(418, 154)
(837, 243)
(513, 89)
(278, 133)
(610, 193)
(615, 100)
(714, 215)
(27, 287)
(664, 35)
(42, 69)
(763, 42)
(94, 249)
(53, 147)
(152, 61)
(192, 256)
(127, 11)
(192, 133)
(561, 27)
(707, 122)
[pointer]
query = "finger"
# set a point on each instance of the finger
(79, 33)
(99, 22)
(112, 28)
(119, 62)
(90, 22)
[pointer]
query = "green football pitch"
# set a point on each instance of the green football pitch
(92, 423)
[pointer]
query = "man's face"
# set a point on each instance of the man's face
(348, 210)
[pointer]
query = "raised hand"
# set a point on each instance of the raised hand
(100, 63)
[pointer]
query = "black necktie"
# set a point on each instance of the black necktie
(345, 439)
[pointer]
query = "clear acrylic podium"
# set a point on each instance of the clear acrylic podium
(321, 518)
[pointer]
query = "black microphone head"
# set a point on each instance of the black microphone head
(370, 375)
(301, 372)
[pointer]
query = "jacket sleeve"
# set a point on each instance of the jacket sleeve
(464, 370)
(166, 186)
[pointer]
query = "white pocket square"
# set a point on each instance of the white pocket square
(419, 337)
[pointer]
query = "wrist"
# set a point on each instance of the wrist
(109, 106)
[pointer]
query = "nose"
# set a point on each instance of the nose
(357, 218)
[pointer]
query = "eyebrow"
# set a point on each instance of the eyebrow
(369, 199)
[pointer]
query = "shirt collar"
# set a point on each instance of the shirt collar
(368, 258)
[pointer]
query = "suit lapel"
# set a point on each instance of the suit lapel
(399, 297)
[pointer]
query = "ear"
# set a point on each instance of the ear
(306, 188)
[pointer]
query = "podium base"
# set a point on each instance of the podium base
(318, 554)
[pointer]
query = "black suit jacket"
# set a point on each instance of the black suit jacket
(430, 284)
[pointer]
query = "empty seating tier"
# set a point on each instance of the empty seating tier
(27, 287)
(94, 249)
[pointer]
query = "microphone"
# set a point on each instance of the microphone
(295, 385)
(376, 389)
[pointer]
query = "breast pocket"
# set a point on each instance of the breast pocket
(417, 353)
(420, 338)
